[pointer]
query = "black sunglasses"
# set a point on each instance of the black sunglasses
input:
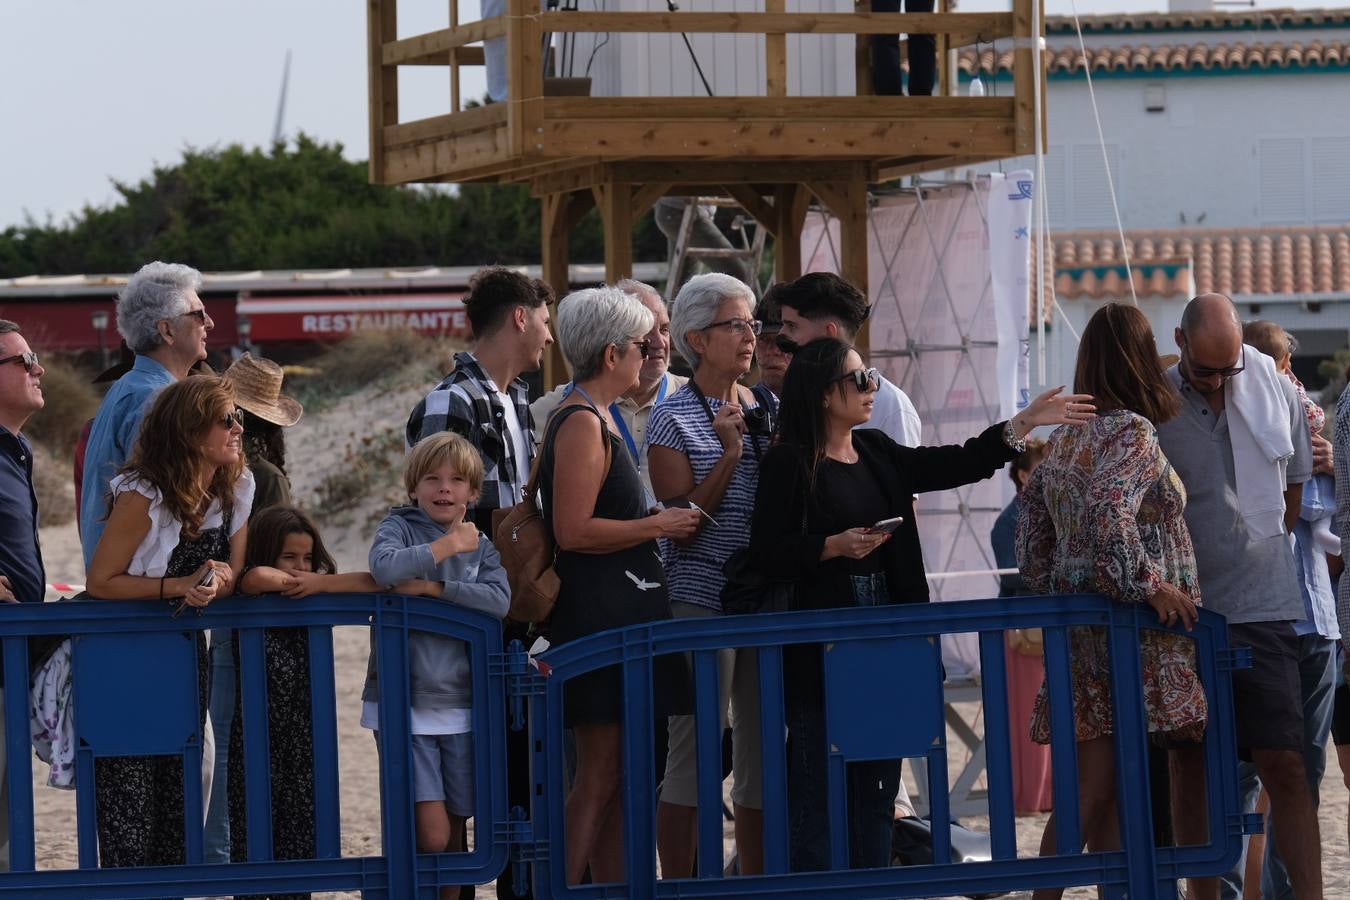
(28, 360)
(198, 314)
(229, 420)
(644, 347)
(1205, 372)
(863, 379)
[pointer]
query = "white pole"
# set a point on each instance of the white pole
(1038, 200)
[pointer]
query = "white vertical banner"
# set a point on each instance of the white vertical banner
(1010, 202)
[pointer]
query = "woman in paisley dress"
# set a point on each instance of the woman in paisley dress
(1103, 514)
(178, 511)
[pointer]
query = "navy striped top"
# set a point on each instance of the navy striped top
(694, 571)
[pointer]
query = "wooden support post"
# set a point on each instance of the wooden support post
(381, 26)
(531, 91)
(847, 200)
(775, 53)
(615, 200)
(752, 201)
(790, 202)
(454, 59)
(862, 65)
(525, 74)
(1025, 57)
(559, 214)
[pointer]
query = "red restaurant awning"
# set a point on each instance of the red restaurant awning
(331, 318)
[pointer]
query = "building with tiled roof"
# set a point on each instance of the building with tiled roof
(1229, 151)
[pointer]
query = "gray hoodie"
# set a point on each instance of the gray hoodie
(439, 665)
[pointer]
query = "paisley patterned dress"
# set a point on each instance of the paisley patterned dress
(1103, 514)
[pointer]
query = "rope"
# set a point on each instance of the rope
(1101, 140)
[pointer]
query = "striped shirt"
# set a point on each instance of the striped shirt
(466, 402)
(694, 571)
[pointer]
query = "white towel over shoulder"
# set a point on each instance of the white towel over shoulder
(1263, 444)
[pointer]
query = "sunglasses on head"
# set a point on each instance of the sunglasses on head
(28, 360)
(863, 379)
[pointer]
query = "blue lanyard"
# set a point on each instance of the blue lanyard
(623, 426)
(618, 416)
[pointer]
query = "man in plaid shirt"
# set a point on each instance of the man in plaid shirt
(483, 398)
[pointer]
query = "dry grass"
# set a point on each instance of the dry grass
(371, 358)
(54, 483)
(71, 401)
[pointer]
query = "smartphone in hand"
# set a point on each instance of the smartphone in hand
(886, 526)
(208, 579)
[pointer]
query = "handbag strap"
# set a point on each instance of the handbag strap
(551, 435)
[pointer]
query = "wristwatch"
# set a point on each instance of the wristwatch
(1015, 443)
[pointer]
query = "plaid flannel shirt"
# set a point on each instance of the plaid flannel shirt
(466, 403)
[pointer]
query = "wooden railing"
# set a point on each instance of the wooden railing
(525, 25)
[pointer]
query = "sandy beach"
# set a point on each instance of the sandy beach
(342, 438)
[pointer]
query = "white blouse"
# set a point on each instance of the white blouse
(151, 558)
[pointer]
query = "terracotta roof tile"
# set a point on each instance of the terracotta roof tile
(1202, 20)
(1240, 261)
(1280, 54)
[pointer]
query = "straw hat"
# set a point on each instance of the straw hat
(257, 388)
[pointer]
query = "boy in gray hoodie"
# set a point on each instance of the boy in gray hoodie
(427, 547)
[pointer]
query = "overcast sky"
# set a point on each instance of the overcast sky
(93, 90)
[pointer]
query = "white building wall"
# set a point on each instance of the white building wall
(659, 65)
(1220, 139)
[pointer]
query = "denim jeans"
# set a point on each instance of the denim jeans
(1317, 668)
(216, 846)
(871, 790)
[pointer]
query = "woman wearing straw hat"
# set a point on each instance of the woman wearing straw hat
(266, 411)
(257, 389)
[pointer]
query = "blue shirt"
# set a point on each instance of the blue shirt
(20, 551)
(1314, 580)
(110, 441)
(1003, 541)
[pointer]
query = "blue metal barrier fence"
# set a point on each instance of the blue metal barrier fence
(883, 687)
(883, 690)
(135, 694)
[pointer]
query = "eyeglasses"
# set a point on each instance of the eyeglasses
(28, 360)
(229, 420)
(863, 379)
(1205, 372)
(740, 326)
(644, 347)
(198, 314)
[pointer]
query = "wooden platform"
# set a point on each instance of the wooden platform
(774, 153)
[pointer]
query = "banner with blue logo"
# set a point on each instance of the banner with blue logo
(1010, 203)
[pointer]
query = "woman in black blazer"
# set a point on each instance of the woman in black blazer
(821, 488)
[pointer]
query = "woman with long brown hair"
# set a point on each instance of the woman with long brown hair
(1103, 514)
(176, 531)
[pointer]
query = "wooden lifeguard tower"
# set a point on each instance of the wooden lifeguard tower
(771, 152)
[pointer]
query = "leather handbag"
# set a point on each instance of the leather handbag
(525, 543)
(750, 590)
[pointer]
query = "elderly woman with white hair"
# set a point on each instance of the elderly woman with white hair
(704, 446)
(607, 558)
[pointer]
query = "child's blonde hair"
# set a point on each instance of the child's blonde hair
(443, 448)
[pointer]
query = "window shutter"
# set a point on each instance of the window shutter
(1283, 180)
(1331, 175)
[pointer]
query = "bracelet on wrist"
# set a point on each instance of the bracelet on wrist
(1015, 442)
